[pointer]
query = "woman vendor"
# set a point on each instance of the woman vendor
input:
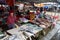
(11, 20)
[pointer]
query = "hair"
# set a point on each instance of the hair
(41, 9)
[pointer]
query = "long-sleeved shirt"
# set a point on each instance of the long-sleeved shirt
(11, 20)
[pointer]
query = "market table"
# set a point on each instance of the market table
(44, 24)
(28, 29)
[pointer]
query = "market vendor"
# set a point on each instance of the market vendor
(37, 13)
(11, 20)
(42, 14)
(23, 19)
(31, 15)
(1, 10)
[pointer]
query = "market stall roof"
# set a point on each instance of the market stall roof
(50, 3)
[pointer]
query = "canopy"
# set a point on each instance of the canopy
(50, 3)
(39, 5)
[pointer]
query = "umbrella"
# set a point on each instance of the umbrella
(46, 7)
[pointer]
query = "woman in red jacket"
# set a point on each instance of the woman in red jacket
(11, 20)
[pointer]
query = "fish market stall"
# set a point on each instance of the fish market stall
(27, 30)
